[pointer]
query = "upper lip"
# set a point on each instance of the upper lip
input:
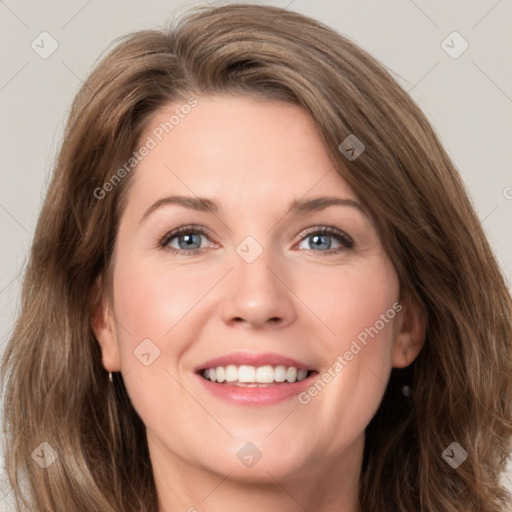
(245, 358)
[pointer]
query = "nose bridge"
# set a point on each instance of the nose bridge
(253, 265)
(256, 294)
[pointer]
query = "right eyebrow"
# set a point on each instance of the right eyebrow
(201, 204)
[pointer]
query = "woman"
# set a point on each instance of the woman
(255, 234)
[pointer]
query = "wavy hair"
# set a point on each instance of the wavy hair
(55, 388)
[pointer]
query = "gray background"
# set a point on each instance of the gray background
(468, 99)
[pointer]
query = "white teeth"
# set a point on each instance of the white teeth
(221, 373)
(246, 374)
(254, 375)
(265, 374)
(301, 374)
(231, 373)
(280, 373)
(291, 374)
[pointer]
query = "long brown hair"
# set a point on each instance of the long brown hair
(55, 388)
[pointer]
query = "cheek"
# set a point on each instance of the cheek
(352, 300)
(159, 311)
(151, 300)
(359, 307)
(151, 310)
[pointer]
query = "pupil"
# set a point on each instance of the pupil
(189, 240)
(318, 238)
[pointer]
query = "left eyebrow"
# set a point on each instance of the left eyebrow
(319, 203)
(301, 206)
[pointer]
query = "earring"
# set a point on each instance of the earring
(110, 376)
(406, 390)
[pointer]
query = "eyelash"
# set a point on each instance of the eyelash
(343, 238)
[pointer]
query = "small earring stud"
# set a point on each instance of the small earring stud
(110, 376)
(406, 391)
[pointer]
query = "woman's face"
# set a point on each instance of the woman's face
(264, 276)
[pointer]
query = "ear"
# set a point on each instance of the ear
(410, 332)
(103, 326)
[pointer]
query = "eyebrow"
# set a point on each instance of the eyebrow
(203, 204)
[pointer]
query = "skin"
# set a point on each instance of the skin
(295, 299)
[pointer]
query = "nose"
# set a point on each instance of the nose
(258, 296)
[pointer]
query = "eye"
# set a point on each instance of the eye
(187, 238)
(320, 237)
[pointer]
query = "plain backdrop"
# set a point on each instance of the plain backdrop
(462, 81)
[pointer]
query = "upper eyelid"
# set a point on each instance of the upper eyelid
(323, 229)
(173, 233)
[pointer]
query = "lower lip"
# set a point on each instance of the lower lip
(267, 395)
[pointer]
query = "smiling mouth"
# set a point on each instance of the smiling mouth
(252, 376)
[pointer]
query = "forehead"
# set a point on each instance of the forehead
(236, 148)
